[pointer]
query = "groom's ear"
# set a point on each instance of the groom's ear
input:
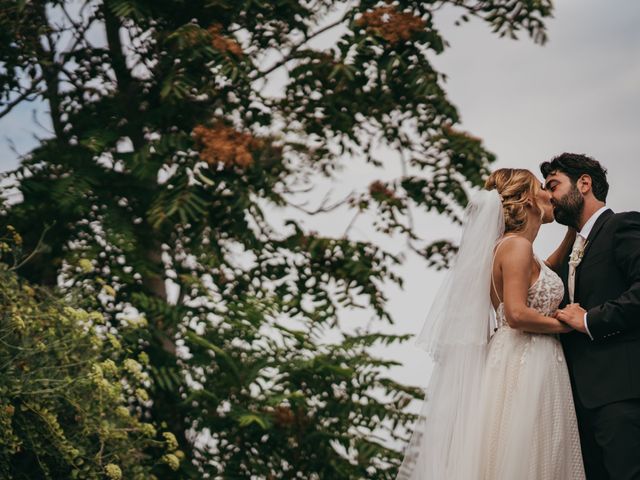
(585, 184)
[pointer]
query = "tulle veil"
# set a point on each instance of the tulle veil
(446, 439)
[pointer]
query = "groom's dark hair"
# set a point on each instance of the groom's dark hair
(574, 165)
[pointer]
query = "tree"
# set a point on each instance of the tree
(166, 159)
(71, 401)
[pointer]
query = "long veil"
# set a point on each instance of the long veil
(446, 441)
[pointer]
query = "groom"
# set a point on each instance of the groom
(602, 298)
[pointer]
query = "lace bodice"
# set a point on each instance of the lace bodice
(544, 296)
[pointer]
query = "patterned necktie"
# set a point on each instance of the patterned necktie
(574, 261)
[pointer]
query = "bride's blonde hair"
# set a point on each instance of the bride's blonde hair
(516, 187)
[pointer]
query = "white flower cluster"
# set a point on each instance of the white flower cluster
(576, 257)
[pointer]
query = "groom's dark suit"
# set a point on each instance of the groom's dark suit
(605, 371)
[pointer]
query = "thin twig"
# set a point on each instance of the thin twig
(24, 96)
(295, 48)
(351, 223)
(323, 208)
(35, 250)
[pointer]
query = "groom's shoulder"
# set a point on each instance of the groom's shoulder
(625, 220)
(626, 217)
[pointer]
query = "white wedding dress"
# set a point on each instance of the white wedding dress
(529, 423)
(499, 407)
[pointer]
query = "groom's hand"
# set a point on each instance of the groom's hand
(573, 315)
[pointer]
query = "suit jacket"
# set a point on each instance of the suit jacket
(607, 368)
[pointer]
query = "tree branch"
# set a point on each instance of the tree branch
(35, 251)
(79, 37)
(323, 208)
(24, 96)
(49, 67)
(295, 48)
(126, 83)
(112, 26)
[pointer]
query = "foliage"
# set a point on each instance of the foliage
(70, 406)
(170, 154)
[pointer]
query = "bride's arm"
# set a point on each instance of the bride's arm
(516, 259)
(554, 262)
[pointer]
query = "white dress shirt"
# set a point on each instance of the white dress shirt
(584, 233)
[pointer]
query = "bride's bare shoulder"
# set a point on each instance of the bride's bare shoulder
(515, 248)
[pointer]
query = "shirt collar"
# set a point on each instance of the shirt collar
(586, 230)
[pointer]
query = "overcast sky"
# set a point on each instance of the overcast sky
(580, 92)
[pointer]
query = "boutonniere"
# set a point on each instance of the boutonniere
(576, 255)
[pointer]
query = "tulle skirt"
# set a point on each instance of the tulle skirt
(522, 426)
(529, 420)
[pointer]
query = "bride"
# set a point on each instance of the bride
(499, 403)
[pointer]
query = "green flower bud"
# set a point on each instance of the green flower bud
(113, 472)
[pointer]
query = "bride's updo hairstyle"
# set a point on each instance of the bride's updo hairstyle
(516, 186)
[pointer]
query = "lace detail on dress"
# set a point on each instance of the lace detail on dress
(545, 295)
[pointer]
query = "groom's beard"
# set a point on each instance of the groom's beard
(568, 209)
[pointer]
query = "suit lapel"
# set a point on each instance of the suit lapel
(602, 219)
(600, 222)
